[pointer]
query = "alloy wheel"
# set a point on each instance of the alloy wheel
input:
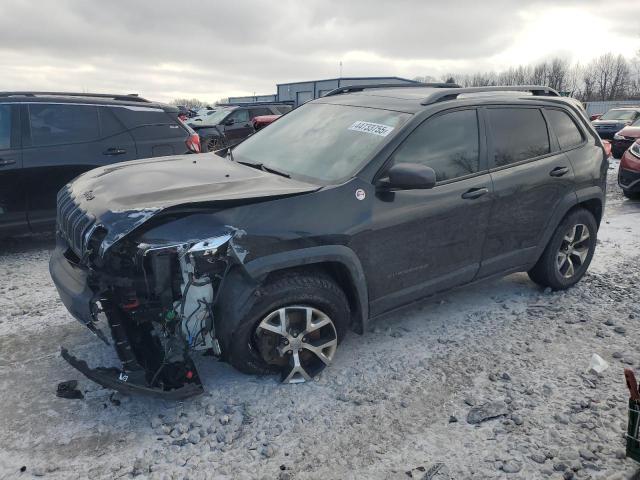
(574, 250)
(300, 340)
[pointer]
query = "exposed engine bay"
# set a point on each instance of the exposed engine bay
(159, 314)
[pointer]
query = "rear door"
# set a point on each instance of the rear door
(13, 198)
(156, 132)
(61, 141)
(531, 176)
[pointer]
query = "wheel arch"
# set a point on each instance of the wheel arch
(591, 199)
(338, 261)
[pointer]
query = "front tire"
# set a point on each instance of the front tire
(569, 252)
(293, 328)
(631, 195)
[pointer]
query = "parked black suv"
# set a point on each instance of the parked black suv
(350, 206)
(47, 139)
(229, 125)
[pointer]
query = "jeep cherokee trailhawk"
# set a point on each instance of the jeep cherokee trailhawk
(350, 206)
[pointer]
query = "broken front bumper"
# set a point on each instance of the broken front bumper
(131, 382)
(72, 283)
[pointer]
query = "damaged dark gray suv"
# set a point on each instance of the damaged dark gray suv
(354, 204)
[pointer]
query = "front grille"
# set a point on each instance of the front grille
(73, 222)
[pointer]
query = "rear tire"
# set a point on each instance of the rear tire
(569, 252)
(254, 350)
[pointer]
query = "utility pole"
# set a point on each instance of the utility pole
(340, 68)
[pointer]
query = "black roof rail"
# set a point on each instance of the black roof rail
(131, 97)
(360, 88)
(443, 95)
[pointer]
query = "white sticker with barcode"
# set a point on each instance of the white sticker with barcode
(372, 128)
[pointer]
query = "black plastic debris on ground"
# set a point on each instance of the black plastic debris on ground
(114, 400)
(69, 389)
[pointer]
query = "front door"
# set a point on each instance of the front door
(425, 241)
(239, 126)
(13, 196)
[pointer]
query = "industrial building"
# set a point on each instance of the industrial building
(297, 93)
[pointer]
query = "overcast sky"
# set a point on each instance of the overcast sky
(210, 49)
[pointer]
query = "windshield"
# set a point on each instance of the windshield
(323, 142)
(619, 115)
(211, 117)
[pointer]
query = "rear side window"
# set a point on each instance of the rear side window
(518, 134)
(565, 128)
(109, 124)
(59, 124)
(447, 143)
(5, 126)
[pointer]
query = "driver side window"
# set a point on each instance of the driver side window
(448, 143)
(240, 116)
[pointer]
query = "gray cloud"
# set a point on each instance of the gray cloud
(164, 49)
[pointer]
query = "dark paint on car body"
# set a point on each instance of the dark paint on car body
(384, 247)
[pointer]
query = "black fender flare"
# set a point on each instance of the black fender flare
(241, 283)
(570, 201)
(340, 254)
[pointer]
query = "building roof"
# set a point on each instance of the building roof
(340, 79)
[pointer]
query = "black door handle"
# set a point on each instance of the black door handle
(114, 151)
(475, 193)
(559, 171)
(6, 162)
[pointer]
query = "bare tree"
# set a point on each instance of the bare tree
(611, 76)
(192, 103)
(557, 73)
(425, 79)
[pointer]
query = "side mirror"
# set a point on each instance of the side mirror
(408, 176)
(228, 121)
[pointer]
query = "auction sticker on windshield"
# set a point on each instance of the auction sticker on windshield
(372, 128)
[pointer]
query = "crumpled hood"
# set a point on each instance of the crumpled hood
(123, 196)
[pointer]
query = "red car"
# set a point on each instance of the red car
(262, 121)
(623, 139)
(629, 172)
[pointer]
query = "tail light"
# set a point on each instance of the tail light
(193, 143)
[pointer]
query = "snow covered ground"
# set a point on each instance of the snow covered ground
(393, 405)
